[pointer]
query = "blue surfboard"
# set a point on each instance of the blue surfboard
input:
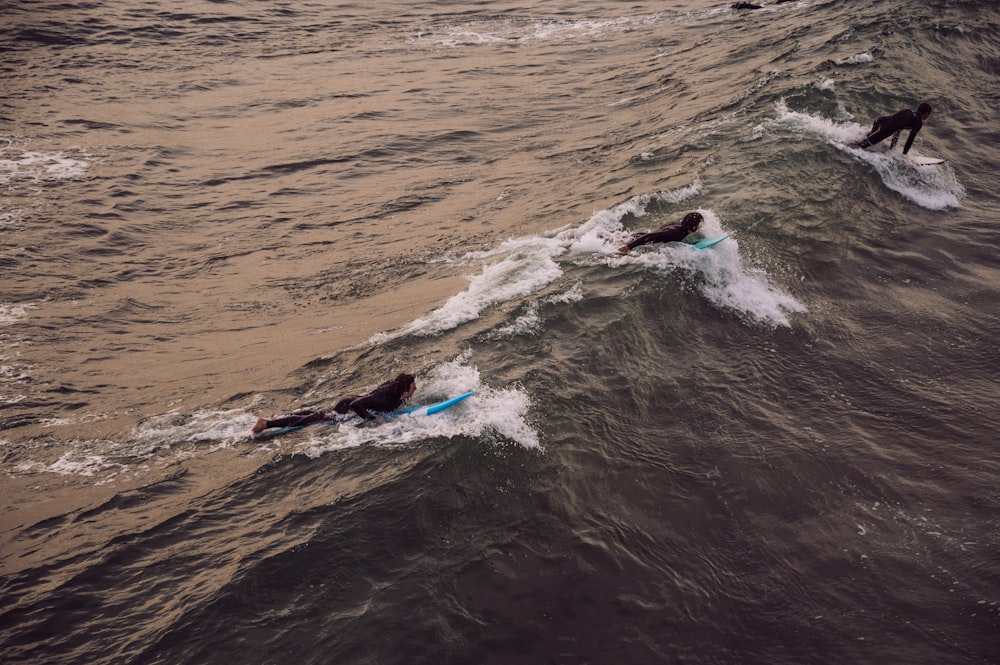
(705, 243)
(417, 410)
(431, 409)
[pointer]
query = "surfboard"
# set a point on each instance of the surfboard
(417, 410)
(431, 409)
(896, 153)
(705, 243)
(920, 160)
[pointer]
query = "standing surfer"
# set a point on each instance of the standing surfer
(673, 233)
(387, 397)
(896, 123)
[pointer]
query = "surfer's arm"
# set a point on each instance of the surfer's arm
(364, 406)
(656, 236)
(909, 140)
(632, 244)
(360, 409)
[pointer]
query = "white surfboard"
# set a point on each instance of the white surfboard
(920, 160)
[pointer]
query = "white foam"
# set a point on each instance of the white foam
(71, 464)
(39, 166)
(859, 59)
(83, 458)
(12, 371)
(12, 313)
(931, 187)
(834, 133)
(572, 294)
(527, 267)
(172, 429)
(528, 323)
(934, 188)
(504, 31)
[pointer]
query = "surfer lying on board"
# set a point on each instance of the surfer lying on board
(387, 397)
(750, 5)
(673, 233)
(894, 124)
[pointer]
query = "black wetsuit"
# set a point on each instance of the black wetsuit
(300, 419)
(380, 400)
(894, 124)
(673, 233)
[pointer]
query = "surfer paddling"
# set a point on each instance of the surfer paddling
(673, 233)
(750, 5)
(896, 123)
(387, 397)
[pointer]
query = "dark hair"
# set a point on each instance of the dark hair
(691, 220)
(924, 108)
(396, 387)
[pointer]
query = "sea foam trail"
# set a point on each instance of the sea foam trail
(520, 267)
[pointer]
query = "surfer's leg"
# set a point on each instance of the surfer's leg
(867, 141)
(874, 137)
(299, 419)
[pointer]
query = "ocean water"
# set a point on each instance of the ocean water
(782, 449)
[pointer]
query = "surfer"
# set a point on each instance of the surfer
(387, 397)
(673, 233)
(750, 5)
(896, 123)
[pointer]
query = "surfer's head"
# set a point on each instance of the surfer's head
(924, 110)
(404, 385)
(691, 221)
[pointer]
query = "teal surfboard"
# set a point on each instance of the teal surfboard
(705, 243)
(431, 409)
(417, 410)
